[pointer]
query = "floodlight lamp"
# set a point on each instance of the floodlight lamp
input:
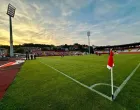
(11, 10)
(88, 33)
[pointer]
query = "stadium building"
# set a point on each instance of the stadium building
(3, 52)
(132, 48)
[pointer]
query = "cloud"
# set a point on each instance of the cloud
(59, 22)
(67, 7)
(67, 13)
(24, 23)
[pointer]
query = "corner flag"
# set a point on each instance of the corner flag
(110, 66)
(110, 60)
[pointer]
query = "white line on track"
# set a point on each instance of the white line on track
(3, 64)
(125, 81)
(98, 84)
(93, 90)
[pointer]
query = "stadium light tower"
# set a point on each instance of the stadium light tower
(11, 12)
(88, 34)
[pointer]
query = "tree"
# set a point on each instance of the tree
(19, 50)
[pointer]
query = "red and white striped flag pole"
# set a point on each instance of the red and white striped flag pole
(110, 66)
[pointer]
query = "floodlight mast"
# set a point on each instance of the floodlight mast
(88, 34)
(11, 12)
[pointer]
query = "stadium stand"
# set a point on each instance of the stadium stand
(3, 52)
(59, 53)
(133, 48)
(55, 53)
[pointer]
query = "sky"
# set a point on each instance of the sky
(58, 22)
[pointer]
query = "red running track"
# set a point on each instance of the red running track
(7, 76)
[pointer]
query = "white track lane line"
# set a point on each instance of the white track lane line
(93, 90)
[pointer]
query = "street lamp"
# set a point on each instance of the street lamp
(88, 34)
(11, 12)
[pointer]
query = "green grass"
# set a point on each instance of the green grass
(38, 87)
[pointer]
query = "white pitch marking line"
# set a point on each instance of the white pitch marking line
(125, 81)
(109, 98)
(98, 84)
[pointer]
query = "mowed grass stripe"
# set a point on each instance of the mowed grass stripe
(87, 71)
(43, 88)
(130, 94)
(38, 87)
(92, 69)
(76, 81)
(89, 68)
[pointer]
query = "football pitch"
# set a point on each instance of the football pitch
(75, 83)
